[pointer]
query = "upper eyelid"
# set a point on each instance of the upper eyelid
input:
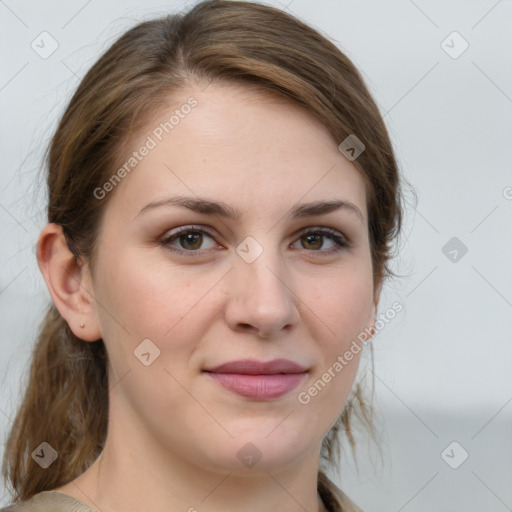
(210, 232)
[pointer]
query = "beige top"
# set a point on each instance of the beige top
(49, 501)
(55, 501)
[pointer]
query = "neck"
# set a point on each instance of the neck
(145, 477)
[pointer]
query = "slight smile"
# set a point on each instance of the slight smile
(258, 380)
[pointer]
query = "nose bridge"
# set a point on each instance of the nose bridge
(261, 265)
(263, 297)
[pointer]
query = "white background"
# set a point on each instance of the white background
(443, 366)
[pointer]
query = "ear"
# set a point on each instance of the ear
(69, 283)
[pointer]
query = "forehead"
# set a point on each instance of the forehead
(238, 144)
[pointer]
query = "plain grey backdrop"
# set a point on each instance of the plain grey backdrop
(441, 73)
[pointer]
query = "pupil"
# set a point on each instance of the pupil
(189, 238)
(309, 237)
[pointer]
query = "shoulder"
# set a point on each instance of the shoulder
(49, 501)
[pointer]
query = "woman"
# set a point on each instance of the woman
(222, 199)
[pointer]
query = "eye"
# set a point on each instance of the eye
(314, 240)
(189, 237)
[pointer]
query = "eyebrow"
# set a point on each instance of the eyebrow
(208, 206)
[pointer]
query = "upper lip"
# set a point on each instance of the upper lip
(255, 367)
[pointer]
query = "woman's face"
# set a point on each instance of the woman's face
(262, 283)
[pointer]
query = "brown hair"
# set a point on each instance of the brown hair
(66, 399)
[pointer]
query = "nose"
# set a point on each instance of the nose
(261, 296)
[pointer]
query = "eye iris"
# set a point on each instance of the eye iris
(188, 238)
(318, 238)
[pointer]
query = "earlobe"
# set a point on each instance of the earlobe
(68, 283)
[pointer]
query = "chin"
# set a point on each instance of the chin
(255, 451)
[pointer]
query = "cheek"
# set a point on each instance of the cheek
(343, 311)
(152, 298)
(343, 303)
(151, 301)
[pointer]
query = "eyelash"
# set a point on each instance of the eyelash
(341, 242)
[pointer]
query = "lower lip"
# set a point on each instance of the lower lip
(258, 387)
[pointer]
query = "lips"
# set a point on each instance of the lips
(253, 367)
(258, 380)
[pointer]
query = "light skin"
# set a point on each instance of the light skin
(174, 433)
